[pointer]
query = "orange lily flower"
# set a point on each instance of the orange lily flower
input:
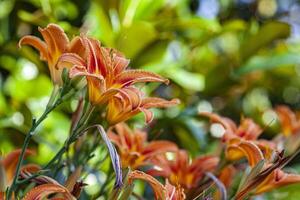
(290, 121)
(276, 179)
(247, 130)
(266, 177)
(290, 125)
(56, 43)
(181, 171)
(105, 70)
(133, 148)
(242, 140)
(174, 192)
(238, 149)
(8, 168)
(130, 102)
(161, 192)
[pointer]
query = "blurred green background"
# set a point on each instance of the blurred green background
(234, 57)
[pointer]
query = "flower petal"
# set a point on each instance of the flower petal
(129, 77)
(55, 38)
(120, 64)
(159, 147)
(81, 71)
(153, 102)
(228, 124)
(76, 46)
(287, 119)
(276, 179)
(68, 60)
(42, 191)
(247, 149)
(36, 43)
(160, 191)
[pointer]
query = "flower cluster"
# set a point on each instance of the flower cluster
(265, 157)
(108, 97)
(108, 79)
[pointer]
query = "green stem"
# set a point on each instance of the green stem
(72, 138)
(28, 137)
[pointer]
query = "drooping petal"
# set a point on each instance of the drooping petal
(36, 43)
(153, 102)
(244, 149)
(160, 191)
(129, 77)
(113, 155)
(148, 115)
(42, 191)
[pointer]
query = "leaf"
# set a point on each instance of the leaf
(21, 90)
(234, 25)
(101, 26)
(113, 155)
(187, 80)
(219, 184)
(127, 41)
(268, 62)
(6, 7)
(148, 8)
(252, 174)
(266, 35)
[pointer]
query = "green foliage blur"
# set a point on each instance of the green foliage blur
(234, 57)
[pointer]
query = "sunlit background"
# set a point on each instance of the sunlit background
(232, 57)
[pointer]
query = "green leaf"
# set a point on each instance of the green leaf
(187, 80)
(6, 7)
(266, 35)
(100, 27)
(133, 39)
(268, 62)
(22, 90)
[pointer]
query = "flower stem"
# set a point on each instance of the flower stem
(35, 124)
(72, 138)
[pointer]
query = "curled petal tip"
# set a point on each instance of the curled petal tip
(176, 101)
(167, 81)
